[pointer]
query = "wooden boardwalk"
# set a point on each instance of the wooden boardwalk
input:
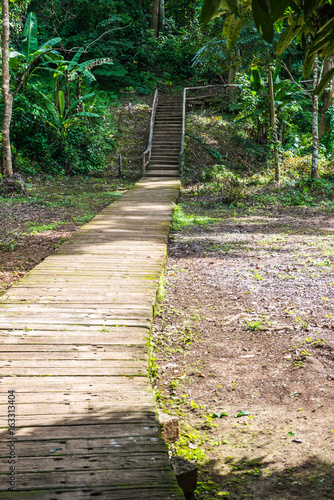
(74, 347)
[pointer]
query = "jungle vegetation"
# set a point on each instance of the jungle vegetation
(66, 64)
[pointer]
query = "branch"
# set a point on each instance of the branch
(103, 34)
(282, 63)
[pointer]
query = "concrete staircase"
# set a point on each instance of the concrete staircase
(166, 143)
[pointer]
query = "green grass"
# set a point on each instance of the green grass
(182, 219)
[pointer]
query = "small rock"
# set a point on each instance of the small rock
(315, 364)
(296, 440)
(170, 428)
(186, 474)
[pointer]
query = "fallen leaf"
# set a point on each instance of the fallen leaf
(220, 415)
(242, 414)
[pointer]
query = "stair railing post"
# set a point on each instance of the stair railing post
(181, 157)
(147, 153)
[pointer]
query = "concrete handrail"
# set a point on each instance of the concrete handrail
(147, 153)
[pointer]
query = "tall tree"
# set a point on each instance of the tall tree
(7, 166)
(315, 123)
(162, 15)
(327, 99)
(155, 18)
(273, 124)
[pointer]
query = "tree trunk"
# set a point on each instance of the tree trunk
(162, 15)
(155, 18)
(315, 131)
(67, 91)
(328, 99)
(58, 88)
(273, 125)
(7, 166)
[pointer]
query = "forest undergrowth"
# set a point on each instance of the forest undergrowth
(243, 341)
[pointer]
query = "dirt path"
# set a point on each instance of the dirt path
(246, 328)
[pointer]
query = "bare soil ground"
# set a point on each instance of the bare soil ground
(244, 346)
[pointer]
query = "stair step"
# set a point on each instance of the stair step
(154, 173)
(166, 130)
(164, 167)
(167, 161)
(165, 141)
(163, 123)
(162, 133)
(163, 158)
(172, 126)
(171, 146)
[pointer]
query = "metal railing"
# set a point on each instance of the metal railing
(147, 153)
(210, 93)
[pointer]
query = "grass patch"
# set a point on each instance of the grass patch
(182, 219)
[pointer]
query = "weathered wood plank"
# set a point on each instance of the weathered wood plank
(73, 347)
(68, 351)
(67, 408)
(138, 492)
(102, 446)
(115, 351)
(146, 416)
(63, 397)
(85, 370)
(95, 384)
(81, 431)
(69, 321)
(72, 479)
(88, 462)
(100, 341)
(36, 362)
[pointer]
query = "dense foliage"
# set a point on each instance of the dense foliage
(88, 56)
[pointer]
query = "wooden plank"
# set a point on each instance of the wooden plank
(69, 361)
(36, 308)
(69, 351)
(94, 384)
(67, 407)
(138, 492)
(71, 479)
(98, 430)
(54, 338)
(88, 462)
(64, 397)
(68, 321)
(102, 446)
(85, 370)
(87, 330)
(133, 417)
